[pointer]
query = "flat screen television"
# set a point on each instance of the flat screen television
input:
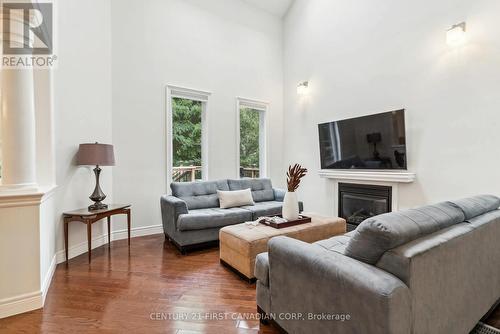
(369, 142)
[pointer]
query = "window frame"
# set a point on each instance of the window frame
(263, 108)
(173, 91)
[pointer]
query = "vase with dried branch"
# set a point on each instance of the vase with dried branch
(294, 175)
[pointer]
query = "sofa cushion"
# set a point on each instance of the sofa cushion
(397, 261)
(336, 244)
(214, 217)
(488, 217)
(235, 198)
(477, 205)
(264, 209)
(271, 208)
(262, 189)
(378, 234)
(199, 195)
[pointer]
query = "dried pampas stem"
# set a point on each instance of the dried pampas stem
(294, 175)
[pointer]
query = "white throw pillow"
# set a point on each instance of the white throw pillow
(231, 199)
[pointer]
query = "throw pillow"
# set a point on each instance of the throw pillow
(231, 199)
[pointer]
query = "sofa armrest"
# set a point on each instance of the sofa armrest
(262, 268)
(171, 208)
(308, 279)
(279, 194)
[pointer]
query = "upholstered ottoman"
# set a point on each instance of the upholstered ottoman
(240, 244)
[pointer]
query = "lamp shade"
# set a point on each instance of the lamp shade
(96, 154)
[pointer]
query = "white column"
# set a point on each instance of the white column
(18, 128)
(18, 120)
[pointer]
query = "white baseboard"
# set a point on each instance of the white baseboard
(48, 278)
(82, 247)
(136, 232)
(29, 301)
(20, 304)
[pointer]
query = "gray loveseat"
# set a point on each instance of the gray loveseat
(192, 217)
(434, 269)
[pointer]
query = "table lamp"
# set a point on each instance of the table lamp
(96, 155)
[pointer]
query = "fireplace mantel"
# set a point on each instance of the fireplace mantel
(368, 175)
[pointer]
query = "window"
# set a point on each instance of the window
(251, 138)
(186, 140)
(186, 135)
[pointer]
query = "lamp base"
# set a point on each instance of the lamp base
(98, 206)
(97, 196)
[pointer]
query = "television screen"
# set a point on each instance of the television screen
(370, 142)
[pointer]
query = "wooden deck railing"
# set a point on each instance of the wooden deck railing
(193, 173)
(249, 172)
(185, 173)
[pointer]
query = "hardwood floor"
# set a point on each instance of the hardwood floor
(141, 291)
(136, 291)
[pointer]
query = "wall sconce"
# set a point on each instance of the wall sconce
(455, 36)
(303, 88)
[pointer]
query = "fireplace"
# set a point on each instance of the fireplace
(360, 201)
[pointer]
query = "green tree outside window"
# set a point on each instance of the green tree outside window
(249, 142)
(186, 139)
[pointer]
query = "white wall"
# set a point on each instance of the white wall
(77, 94)
(366, 57)
(82, 101)
(223, 46)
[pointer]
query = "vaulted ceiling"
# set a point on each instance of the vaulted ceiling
(275, 7)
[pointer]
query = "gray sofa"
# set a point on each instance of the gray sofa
(192, 217)
(434, 269)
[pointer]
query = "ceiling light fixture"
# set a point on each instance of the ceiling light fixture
(455, 36)
(303, 88)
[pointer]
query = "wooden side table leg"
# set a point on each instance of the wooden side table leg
(89, 236)
(128, 226)
(66, 222)
(109, 232)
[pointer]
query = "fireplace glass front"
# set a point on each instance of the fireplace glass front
(358, 202)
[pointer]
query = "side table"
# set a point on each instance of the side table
(89, 217)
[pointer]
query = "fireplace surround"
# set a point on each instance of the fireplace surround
(358, 202)
(388, 179)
